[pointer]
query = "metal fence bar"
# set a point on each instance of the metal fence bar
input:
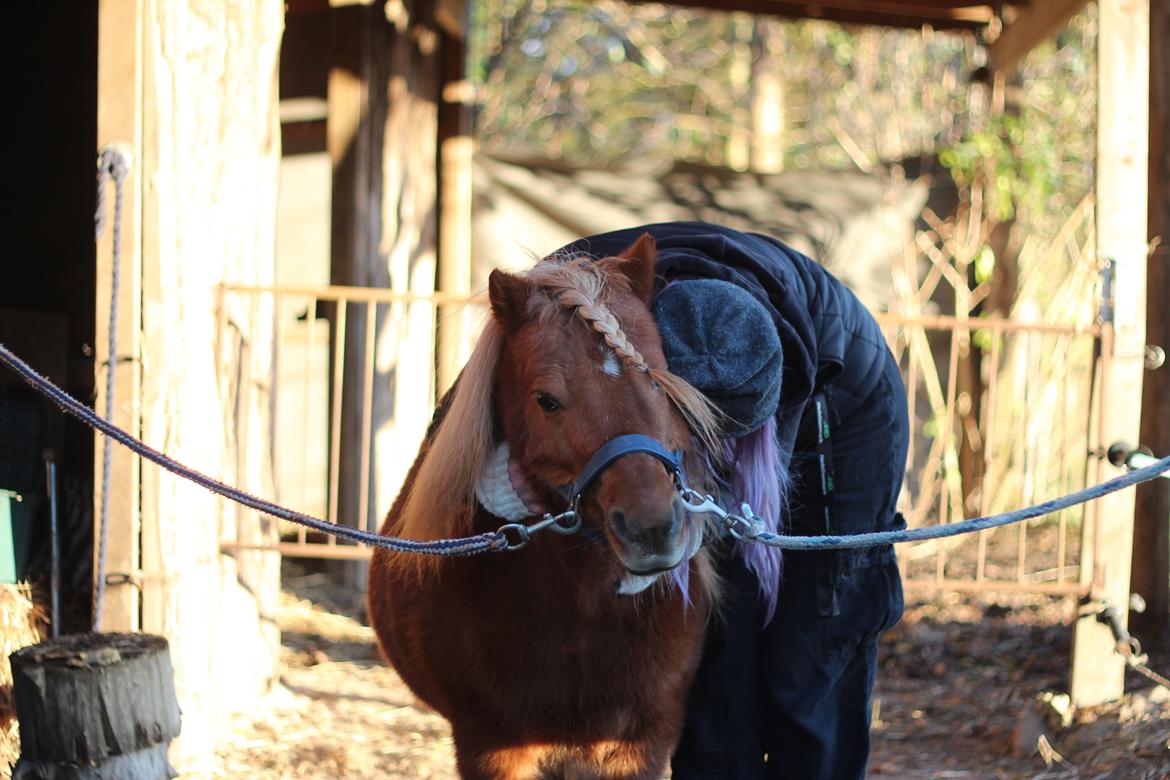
(363, 518)
(1092, 531)
(985, 489)
(996, 586)
(1065, 486)
(912, 369)
(318, 550)
(356, 294)
(947, 434)
(936, 489)
(995, 324)
(306, 396)
(336, 388)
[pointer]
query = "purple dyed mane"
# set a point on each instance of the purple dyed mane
(759, 478)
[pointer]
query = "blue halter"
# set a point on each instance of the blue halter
(617, 448)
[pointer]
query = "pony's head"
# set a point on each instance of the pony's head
(570, 360)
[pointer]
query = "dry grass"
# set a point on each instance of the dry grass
(22, 623)
(957, 678)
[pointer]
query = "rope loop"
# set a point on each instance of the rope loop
(113, 163)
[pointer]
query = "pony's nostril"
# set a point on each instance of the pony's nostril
(617, 522)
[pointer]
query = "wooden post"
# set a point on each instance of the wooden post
(739, 74)
(382, 137)
(1151, 543)
(1122, 132)
(95, 706)
(455, 166)
(120, 115)
(767, 88)
(408, 246)
(1029, 25)
(356, 110)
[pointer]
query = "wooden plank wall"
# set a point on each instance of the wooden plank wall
(202, 90)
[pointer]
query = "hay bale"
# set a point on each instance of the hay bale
(22, 623)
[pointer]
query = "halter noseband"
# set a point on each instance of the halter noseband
(619, 447)
(569, 521)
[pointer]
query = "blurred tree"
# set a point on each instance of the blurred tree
(606, 82)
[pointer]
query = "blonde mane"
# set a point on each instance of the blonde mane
(441, 501)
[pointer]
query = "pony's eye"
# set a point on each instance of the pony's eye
(547, 402)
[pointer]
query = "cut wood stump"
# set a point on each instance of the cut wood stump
(95, 706)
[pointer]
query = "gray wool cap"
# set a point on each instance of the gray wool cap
(722, 340)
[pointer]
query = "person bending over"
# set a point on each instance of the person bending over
(818, 433)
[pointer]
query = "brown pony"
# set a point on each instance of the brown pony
(571, 657)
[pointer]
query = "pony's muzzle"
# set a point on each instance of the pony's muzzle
(649, 545)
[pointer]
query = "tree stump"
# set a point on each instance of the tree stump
(95, 706)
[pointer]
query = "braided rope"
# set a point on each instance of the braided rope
(495, 541)
(750, 529)
(442, 547)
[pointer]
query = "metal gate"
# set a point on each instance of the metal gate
(1003, 414)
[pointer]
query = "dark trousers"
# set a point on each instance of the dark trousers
(792, 699)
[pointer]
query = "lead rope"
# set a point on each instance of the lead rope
(745, 526)
(113, 164)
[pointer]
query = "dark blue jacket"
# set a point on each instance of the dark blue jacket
(827, 335)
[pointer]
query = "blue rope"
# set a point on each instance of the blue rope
(850, 541)
(496, 541)
(443, 547)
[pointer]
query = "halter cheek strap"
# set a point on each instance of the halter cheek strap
(617, 448)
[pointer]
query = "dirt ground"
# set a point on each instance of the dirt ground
(961, 694)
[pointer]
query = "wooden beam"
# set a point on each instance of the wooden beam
(451, 16)
(1123, 68)
(1028, 27)
(952, 15)
(120, 116)
(1151, 543)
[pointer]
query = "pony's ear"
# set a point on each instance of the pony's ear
(508, 294)
(638, 267)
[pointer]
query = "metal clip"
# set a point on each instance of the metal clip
(744, 527)
(701, 504)
(554, 523)
(521, 531)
